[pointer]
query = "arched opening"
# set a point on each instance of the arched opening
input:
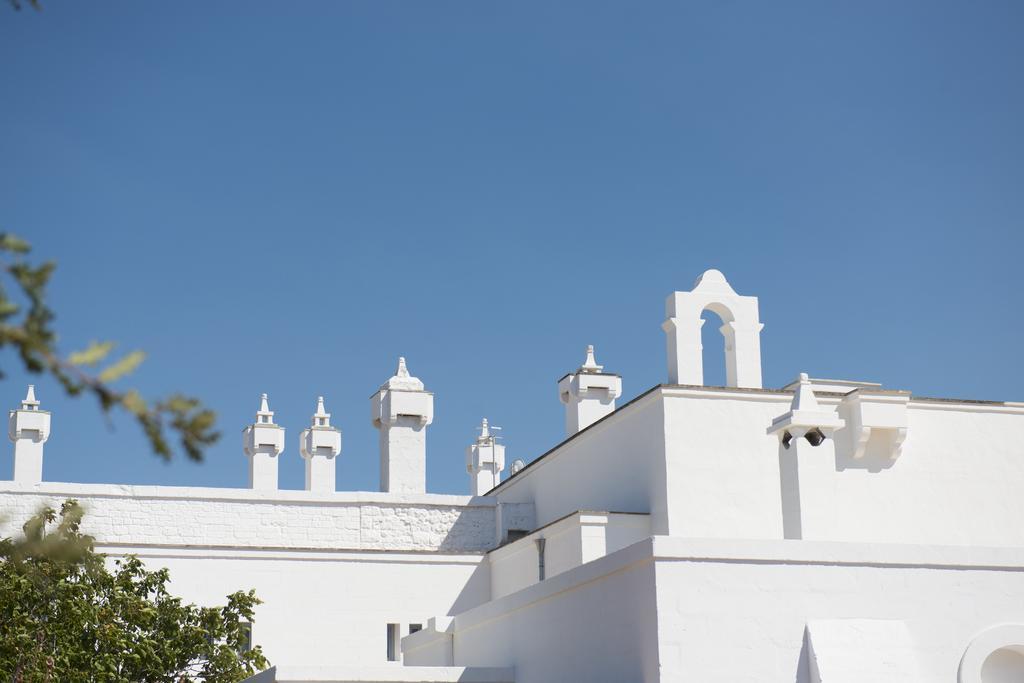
(713, 355)
(717, 348)
(994, 656)
(1005, 665)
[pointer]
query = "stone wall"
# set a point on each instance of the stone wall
(242, 518)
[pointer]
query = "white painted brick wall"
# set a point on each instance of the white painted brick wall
(241, 518)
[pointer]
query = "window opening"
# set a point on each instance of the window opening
(394, 635)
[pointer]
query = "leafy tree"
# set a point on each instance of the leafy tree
(26, 324)
(66, 618)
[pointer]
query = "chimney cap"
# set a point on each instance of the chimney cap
(264, 415)
(321, 418)
(402, 380)
(30, 402)
(590, 364)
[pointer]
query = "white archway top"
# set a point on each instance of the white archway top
(713, 281)
(741, 331)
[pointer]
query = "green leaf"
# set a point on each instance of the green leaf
(92, 355)
(134, 403)
(126, 365)
(13, 244)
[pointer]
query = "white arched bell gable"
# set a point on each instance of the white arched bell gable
(741, 329)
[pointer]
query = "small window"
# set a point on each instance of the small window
(394, 635)
(415, 627)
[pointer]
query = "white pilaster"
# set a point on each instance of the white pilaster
(263, 441)
(401, 410)
(806, 464)
(29, 428)
(319, 446)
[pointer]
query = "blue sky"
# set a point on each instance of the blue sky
(284, 198)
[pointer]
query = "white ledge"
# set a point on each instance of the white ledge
(837, 553)
(674, 549)
(384, 674)
(68, 489)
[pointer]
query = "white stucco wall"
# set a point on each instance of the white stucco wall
(326, 608)
(614, 465)
(596, 622)
(721, 467)
(734, 611)
(700, 462)
(957, 481)
(569, 542)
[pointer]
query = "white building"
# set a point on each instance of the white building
(824, 532)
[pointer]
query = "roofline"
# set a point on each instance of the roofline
(570, 438)
(758, 391)
(595, 374)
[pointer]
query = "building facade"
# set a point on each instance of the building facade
(824, 532)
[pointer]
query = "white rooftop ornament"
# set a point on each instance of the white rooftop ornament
(30, 402)
(262, 442)
(589, 394)
(264, 415)
(402, 380)
(318, 446)
(805, 417)
(401, 409)
(713, 281)
(741, 332)
(29, 428)
(590, 364)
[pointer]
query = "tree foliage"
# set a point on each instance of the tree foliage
(65, 617)
(26, 324)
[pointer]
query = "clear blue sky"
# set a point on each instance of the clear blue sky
(284, 198)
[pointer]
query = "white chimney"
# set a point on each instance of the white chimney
(589, 394)
(401, 410)
(263, 441)
(29, 428)
(319, 445)
(485, 461)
